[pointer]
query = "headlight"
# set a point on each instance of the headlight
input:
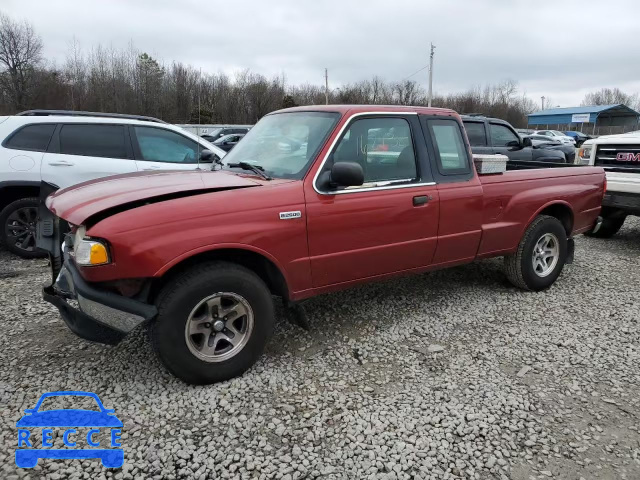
(91, 252)
(584, 153)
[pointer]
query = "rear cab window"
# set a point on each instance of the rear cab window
(34, 137)
(450, 152)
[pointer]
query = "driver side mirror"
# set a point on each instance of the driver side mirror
(206, 156)
(215, 161)
(346, 174)
(526, 142)
(342, 174)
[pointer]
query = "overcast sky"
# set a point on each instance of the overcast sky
(559, 49)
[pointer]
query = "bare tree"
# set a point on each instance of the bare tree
(611, 96)
(20, 56)
(408, 92)
(75, 74)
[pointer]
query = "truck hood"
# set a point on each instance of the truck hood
(78, 203)
(631, 137)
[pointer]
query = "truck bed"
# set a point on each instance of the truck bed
(508, 197)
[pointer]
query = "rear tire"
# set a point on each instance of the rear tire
(540, 257)
(17, 228)
(213, 322)
(611, 224)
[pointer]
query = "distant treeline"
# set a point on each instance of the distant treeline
(129, 81)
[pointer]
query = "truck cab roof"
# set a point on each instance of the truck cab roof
(343, 109)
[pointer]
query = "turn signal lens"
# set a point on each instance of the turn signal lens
(90, 252)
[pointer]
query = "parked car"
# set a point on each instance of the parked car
(65, 147)
(227, 142)
(525, 131)
(557, 135)
(216, 133)
(544, 142)
(579, 137)
(495, 136)
(200, 254)
(619, 155)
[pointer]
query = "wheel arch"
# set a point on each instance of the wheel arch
(257, 261)
(560, 210)
(11, 191)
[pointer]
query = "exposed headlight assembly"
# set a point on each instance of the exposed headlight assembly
(89, 251)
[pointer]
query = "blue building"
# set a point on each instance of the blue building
(598, 119)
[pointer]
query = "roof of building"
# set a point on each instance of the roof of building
(564, 115)
(585, 109)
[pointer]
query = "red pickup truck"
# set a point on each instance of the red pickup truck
(312, 200)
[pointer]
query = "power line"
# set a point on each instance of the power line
(414, 73)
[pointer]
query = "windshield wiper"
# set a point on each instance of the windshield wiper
(257, 169)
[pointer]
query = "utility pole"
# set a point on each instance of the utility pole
(542, 98)
(199, 121)
(433, 47)
(326, 86)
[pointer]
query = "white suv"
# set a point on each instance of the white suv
(65, 147)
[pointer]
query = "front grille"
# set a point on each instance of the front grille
(619, 157)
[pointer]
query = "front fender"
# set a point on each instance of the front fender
(219, 246)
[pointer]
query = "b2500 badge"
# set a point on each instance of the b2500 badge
(290, 215)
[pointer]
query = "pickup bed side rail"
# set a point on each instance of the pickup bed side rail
(529, 164)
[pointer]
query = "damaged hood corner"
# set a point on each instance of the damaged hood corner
(78, 203)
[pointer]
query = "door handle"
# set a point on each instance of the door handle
(421, 200)
(61, 163)
(151, 168)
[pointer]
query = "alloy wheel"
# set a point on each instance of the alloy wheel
(20, 228)
(546, 253)
(219, 327)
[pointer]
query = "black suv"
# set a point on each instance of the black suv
(494, 136)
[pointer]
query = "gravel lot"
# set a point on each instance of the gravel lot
(453, 374)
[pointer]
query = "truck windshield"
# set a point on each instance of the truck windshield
(284, 144)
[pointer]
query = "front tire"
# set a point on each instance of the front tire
(540, 257)
(18, 228)
(213, 322)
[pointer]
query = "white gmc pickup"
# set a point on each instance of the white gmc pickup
(619, 155)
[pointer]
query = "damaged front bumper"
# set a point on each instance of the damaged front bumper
(90, 312)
